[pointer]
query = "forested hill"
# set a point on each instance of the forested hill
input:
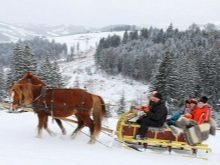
(41, 48)
(180, 64)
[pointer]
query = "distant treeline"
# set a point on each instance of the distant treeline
(40, 47)
(37, 55)
(180, 64)
(120, 28)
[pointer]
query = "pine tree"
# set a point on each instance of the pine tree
(144, 33)
(29, 60)
(160, 38)
(115, 41)
(162, 79)
(216, 116)
(50, 73)
(125, 37)
(15, 62)
(108, 111)
(133, 35)
(172, 81)
(122, 108)
(22, 61)
(213, 77)
(188, 78)
(72, 52)
(70, 56)
(56, 75)
(170, 31)
(77, 47)
(2, 83)
(216, 54)
(45, 71)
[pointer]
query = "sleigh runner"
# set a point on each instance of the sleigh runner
(156, 137)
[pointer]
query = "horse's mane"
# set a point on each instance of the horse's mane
(29, 77)
(24, 91)
(17, 90)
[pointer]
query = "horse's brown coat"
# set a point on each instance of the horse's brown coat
(61, 103)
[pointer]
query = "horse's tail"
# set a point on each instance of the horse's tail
(99, 112)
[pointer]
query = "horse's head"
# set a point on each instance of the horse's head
(21, 95)
(29, 77)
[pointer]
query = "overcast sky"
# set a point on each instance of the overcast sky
(97, 13)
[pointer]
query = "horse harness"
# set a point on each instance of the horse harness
(50, 108)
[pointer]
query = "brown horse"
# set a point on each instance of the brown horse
(98, 102)
(29, 77)
(60, 103)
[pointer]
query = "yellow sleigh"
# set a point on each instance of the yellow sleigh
(157, 137)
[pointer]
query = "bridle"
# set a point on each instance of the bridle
(42, 94)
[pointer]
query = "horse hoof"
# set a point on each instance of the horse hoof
(38, 136)
(91, 142)
(53, 134)
(64, 132)
(73, 136)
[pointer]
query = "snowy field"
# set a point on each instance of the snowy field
(19, 146)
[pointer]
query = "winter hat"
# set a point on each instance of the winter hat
(187, 101)
(157, 95)
(203, 99)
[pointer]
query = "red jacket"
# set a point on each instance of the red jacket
(201, 114)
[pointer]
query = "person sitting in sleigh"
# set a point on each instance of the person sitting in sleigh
(155, 114)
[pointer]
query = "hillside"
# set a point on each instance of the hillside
(82, 73)
(12, 33)
(86, 41)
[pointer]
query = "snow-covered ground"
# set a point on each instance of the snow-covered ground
(19, 146)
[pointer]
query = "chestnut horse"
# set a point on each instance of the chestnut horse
(59, 102)
(29, 77)
(98, 102)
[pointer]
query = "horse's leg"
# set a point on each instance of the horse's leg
(41, 120)
(59, 123)
(89, 123)
(78, 128)
(51, 133)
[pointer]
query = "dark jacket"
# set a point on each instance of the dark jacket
(158, 112)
